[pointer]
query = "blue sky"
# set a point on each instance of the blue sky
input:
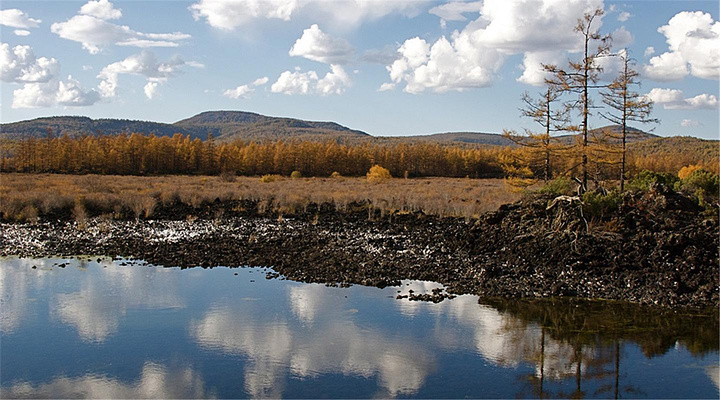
(385, 67)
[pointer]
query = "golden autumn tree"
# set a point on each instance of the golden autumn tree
(626, 106)
(541, 145)
(579, 77)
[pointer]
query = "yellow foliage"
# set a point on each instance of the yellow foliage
(296, 174)
(688, 170)
(378, 174)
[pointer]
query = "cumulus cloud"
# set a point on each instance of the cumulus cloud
(304, 83)
(54, 93)
(453, 11)
(15, 18)
(231, 14)
(316, 45)
(102, 9)
(92, 29)
(674, 99)
(472, 57)
(649, 51)
(39, 77)
(694, 48)
(244, 91)
(21, 32)
(261, 81)
(142, 64)
(386, 87)
(689, 123)
(20, 65)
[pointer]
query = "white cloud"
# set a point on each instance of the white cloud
(624, 16)
(689, 123)
(334, 82)
(92, 29)
(102, 9)
(471, 58)
(694, 48)
(150, 89)
(316, 45)
(21, 32)
(673, 99)
(19, 65)
(649, 51)
(15, 18)
(142, 64)
(260, 81)
(54, 93)
(41, 86)
(621, 38)
(240, 91)
(244, 91)
(232, 14)
(453, 11)
(386, 87)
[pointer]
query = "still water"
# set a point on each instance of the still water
(104, 330)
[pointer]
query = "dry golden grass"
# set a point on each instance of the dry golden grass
(29, 196)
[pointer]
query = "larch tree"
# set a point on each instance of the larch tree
(581, 76)
(626, 105)
(552, 120)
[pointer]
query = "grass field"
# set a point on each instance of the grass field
(27, 197)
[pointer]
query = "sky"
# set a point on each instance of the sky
(389, 68)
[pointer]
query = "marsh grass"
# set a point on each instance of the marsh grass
(27, 197)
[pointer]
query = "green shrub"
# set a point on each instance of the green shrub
(598, 206)
(645, 179)
(558, 187)
(296, 174)
(703, 184)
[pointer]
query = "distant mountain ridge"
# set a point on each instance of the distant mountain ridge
(224, 125)
(234, 125)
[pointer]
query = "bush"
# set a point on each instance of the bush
(270, 178)
(598, 206)
(688, 170)
(645, 179)
(336, 175)
(558, 187)
(296, 174)
(703, 184)
(378, 174)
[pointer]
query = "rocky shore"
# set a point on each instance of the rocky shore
(657, 248)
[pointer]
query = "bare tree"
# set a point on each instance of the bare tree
(581, 76)
(626, 105)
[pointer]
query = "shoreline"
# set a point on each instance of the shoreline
(657, 256)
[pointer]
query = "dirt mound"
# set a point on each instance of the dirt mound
(653, 248)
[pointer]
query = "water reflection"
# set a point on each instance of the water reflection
(155, 381)
(286, 339)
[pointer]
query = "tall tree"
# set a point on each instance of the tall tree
(583, 75)
(551, 120)
(626, 105)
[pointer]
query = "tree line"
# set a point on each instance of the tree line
(138, 154)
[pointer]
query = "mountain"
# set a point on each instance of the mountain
(224, 125)
(234, 125)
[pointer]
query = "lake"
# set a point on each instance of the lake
(93, 327)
